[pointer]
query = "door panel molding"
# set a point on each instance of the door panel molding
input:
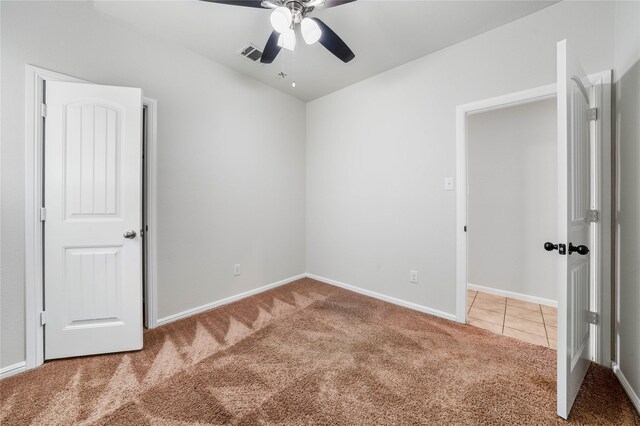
(35, 80)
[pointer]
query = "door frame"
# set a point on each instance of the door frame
(150, 191)
(600, 349)
(35, 80)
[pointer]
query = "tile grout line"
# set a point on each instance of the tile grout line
(471, 305)
(504, 316)
(546, 333)
(504, 320)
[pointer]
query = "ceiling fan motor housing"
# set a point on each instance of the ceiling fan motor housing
(298, 10)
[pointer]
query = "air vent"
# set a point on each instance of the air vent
(250, 52)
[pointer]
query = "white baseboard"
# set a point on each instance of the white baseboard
(225, 301)
(395, 301)
(513, 295)
(12, 370)
(633, 396)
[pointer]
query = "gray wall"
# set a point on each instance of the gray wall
(513, 197)
(231, 177)
(376, 207)
(627, 122)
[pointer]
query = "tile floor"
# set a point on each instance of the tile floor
(525, 321)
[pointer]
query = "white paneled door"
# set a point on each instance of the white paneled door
(92, 246)
(574, 201)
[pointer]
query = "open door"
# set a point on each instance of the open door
(92, 247)
(574, 201)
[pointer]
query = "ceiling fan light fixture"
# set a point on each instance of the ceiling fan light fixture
(311, 31)
(287, 40)
(281, 19)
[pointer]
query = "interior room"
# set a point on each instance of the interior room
(512, 212)
(319, 212)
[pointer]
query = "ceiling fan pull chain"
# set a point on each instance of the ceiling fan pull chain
(293, 69)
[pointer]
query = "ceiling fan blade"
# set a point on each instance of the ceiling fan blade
(246, 3)
(333, 43)
(271, 49)
(334, 3)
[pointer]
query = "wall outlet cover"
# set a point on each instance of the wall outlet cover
(236, 269)
(413, 277)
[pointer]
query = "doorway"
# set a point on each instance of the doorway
(584, 216)
(36, 319)
(511, 212)
(601, 130)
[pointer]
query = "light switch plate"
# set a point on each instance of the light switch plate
(448, 184)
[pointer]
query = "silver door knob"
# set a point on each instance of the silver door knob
(130, 234)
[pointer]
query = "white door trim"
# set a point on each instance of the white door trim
(601, 235)
(150, 235)
(601, 285)
(35, 79)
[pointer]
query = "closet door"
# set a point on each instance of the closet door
(92, 250)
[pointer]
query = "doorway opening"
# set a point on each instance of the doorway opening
(583, 245)
(511, 213)
(600, 275)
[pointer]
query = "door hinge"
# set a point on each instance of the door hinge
(43, 110)
(43, 214)
(592, 216)
(43, 318)
(593, 114)
(593, 317)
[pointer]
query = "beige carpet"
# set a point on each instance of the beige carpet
(309, 353)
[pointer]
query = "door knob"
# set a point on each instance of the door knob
(581, 249)
(130, 234)
(562, 249)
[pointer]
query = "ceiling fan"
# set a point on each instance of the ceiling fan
(286, 15)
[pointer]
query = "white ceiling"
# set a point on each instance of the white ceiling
(382, 34)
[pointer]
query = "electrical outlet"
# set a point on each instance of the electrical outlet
(413, 277)
(236, 270)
